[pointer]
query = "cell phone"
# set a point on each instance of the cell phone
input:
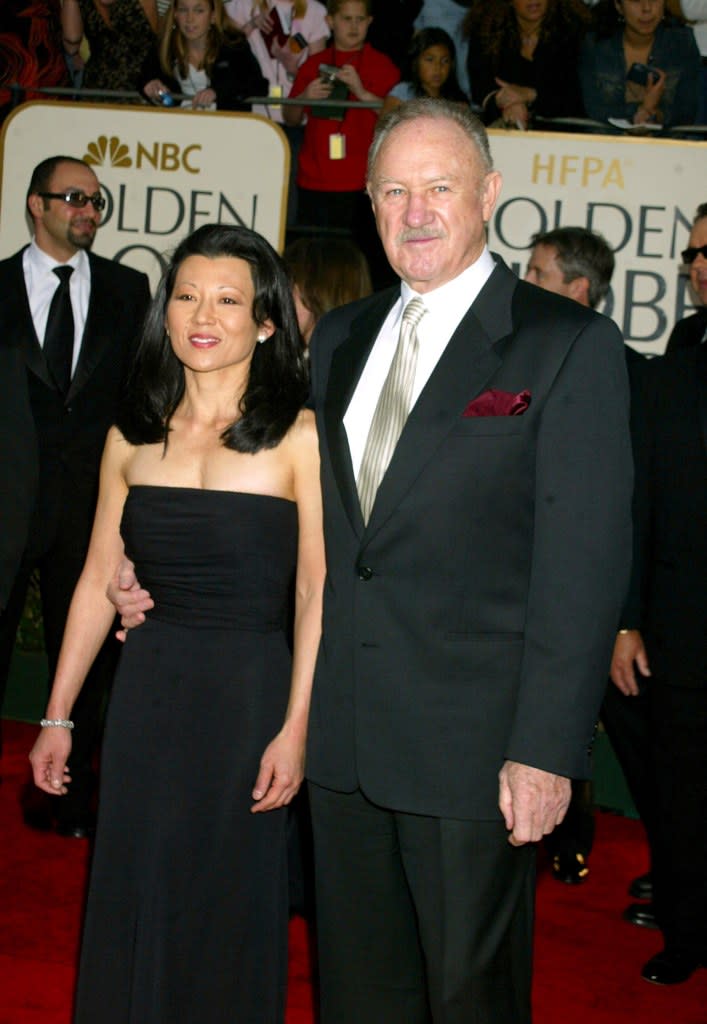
(297, 42)
(642, 74)
(339, 91)
(328, 72)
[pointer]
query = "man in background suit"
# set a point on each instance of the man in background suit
(469, 613)
(661, 650)
(692, 330)
(57, 408)
(579, 264)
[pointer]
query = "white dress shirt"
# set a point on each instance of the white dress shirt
(41, 282)
(446, 306)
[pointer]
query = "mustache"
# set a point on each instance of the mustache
(417, 234)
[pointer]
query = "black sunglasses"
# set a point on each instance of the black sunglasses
(77, 198)
(690, 255)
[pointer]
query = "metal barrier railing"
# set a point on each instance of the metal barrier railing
(74, 93)
(579, 124)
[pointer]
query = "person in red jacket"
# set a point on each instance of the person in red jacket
(332, 161)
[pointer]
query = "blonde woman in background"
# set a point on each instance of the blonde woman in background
(196, 57)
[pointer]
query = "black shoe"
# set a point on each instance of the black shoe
(669, 968)
(37, 809)
(570, 868)
(76, 829)
(641, 888)
(642, 914)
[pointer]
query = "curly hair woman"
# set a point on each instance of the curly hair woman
(523, 57)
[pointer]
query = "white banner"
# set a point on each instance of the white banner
(163, 173)
(640, 194)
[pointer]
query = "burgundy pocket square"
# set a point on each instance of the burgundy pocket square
(498, 403)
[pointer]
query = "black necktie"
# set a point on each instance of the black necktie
(59, 335)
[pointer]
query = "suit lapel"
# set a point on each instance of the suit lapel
(20, 316)
(465, 367)
(100, 316)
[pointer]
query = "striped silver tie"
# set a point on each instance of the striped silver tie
(392, 409)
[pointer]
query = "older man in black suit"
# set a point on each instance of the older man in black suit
(68, 324)
(477, 557)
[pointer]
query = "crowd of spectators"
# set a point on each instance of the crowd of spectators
(607, 66)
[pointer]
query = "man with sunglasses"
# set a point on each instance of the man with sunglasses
(662, 645)
(69, 321)
(693, 329)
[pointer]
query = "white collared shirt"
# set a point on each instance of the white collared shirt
(41, 282)
(446, 306)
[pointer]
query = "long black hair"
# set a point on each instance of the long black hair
(423, 40)
(277, 380)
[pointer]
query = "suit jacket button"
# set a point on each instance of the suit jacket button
(365, 572)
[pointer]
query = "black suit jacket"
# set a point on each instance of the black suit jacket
(670, 572)
(472, 619)
(118, 300)
(689, 331)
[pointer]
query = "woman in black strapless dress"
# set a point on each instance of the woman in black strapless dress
(210, 486)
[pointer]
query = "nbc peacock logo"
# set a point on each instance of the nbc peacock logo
(108, 152)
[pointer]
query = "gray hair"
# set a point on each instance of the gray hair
(437, 110)
(581, 253)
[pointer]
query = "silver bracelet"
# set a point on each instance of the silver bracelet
(63, 722)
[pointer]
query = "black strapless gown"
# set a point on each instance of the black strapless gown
(186, 921)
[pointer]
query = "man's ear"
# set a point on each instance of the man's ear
(579, 290)
(35, 205)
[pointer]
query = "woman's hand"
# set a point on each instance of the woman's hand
(281, 770)
(648, 108)
(154, 90)
(287, 57)
(203, 99)
(48, 758)
(262, 21)
(516, 114)
(509, 94)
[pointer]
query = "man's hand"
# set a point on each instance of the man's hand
(532, 801)
(130, 600)
(629, 654)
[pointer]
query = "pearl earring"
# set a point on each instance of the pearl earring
(262, 338)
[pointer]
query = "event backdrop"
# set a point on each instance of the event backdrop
(166, 172)
(163, 172)
(640, 193)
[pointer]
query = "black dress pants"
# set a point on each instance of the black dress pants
(627, 721)
(420, 920)
(679, 741)
(59, 557)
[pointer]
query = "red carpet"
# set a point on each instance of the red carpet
(587, 958)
